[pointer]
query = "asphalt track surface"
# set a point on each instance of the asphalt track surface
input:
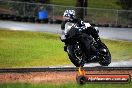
(62, 69)
(105, 32)
(109, 33)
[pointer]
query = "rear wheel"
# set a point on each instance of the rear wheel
(105, 58)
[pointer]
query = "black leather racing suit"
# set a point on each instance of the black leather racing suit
(90, 31)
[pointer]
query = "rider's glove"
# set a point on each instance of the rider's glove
(83, 28)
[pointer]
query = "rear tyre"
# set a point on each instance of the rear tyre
(105, 59)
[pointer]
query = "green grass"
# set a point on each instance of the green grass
(106, 4)
(120, 50)
(18, 49)
(31, 49)
(64, 2)
(67, 85)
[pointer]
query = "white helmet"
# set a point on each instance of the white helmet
(69, 14)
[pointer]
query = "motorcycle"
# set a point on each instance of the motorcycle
(76, 49)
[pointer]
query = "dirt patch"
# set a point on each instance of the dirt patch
(38, 77)
(50, 77)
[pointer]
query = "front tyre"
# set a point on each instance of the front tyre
(76, 54)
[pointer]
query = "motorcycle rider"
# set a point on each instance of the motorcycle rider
(69, 19)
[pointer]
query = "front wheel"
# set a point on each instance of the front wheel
(105, 58)
(76, 54)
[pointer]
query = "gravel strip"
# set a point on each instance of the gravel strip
(50, 77)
